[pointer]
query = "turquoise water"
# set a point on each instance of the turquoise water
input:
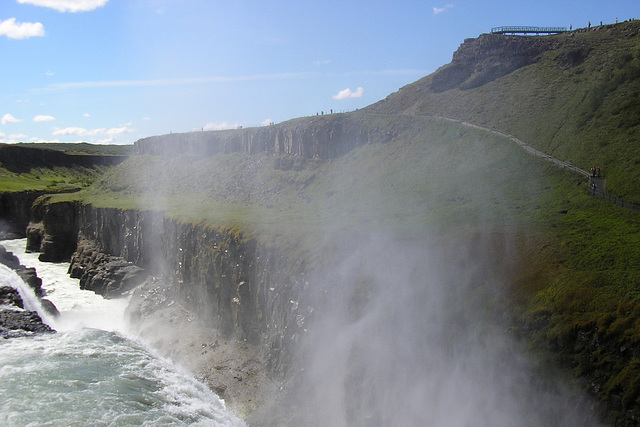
(92, 372)
(99, 378)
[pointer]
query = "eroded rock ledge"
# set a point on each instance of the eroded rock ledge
(107, 275)
(15, 320)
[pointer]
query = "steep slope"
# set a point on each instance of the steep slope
(573, 95)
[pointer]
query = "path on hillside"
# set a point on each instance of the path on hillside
(598, 191)
(529, 149)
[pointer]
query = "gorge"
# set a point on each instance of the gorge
(382, 266)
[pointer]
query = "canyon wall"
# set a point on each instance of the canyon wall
(231, 281)
(15, 210)
(322, 137)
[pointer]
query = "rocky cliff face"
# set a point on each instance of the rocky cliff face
(220, 282)
(15, 210)
(53, 230)
(488, 57)
(240, 287)
(322, 137)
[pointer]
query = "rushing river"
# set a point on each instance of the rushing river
(92, 372)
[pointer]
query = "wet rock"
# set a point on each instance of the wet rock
(10, 297)
(8, 258)
(50, 307)
(27, 274)
(14, 320)
(30, 277)
(104, 274)
(15, 323)
(35, 233)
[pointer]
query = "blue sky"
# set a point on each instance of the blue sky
(114, 71)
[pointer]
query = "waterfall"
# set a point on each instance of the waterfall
(92, 372)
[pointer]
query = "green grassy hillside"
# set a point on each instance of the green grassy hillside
(578, 274)
(577, 288)
(53, 166)
(81, 148)
(434, 171)
(580, 102)
(49, 179)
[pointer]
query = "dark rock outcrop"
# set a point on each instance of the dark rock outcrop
(53, 230)
(28, 274)
(19, 323)
(15, 321)
(572, 57)
(488, 57)
(104, 274)
(35, 233)
(30, 277)
(10, 297)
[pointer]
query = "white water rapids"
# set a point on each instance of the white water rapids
(92, 372)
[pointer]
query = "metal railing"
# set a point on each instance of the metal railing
(528, 30)
(616, 201)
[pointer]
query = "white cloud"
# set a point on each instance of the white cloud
(8, 118)
(74, 130)
(21, 30)
(119, 130)
(266, 122)
(49, 73)
(78, 131)
(106, 141)
(67, 5)
(43, 118)
(348, 93)
(322, 62)
(221, 126)
(57, 87)
(146, 119)
(86, 115)
(439, 10)
(17, 137)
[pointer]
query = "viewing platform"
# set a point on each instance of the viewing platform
(528, 30)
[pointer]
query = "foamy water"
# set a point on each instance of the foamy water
(78, 308)
(91, 372)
